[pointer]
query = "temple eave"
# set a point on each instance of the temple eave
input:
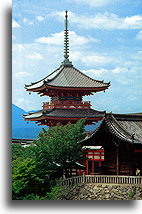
(51, 121)
(43, 117)
(64, 116)
(45, 90)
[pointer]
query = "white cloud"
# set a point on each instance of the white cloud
(20, 46)
(22, 74)
(35, 55)
(137, 56)
(26, 21)
(107, 21)
(96, 72)
(93, 3)
(22, 103)
(139, 35)
(54, 39)
(39, 18)
(32, 22)
(57, 39)
(92, 59)
(118, 70)
(133, 21)
(15, 24)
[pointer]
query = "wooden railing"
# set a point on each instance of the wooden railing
(105, 179)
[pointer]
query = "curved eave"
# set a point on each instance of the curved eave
(65, 114)
(95, 119)
(30, 116)
(83, 142)
(44, 79)
(33, 119)
(46, 86)
(121, 137)
(118, 131)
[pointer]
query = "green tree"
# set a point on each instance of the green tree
(26, 179)
(20, 152)
(58, 147)
(35, 168)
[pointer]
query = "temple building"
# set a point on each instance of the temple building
(115, 147)
(66, 87)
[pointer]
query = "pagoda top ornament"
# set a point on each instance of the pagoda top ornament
(66, 61)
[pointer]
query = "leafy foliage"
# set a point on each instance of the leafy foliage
(35, 168)
(26, 179)
(58, 146)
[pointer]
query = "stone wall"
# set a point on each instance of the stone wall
(91, 191)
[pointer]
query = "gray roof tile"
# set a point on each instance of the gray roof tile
(68, 76)
(122, 126)
(67, 113)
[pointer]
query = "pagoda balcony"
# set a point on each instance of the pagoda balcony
(68, 104)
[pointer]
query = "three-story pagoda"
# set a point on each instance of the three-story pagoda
(66, 87)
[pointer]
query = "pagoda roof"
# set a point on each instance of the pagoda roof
(65, 113)
(125, 127)
(68, 77)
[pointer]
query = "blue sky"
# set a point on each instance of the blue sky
(105, 44)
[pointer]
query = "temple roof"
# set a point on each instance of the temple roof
(125, 127)
(65, 113)
(68, 77)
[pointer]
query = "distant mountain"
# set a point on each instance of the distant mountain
(30, 130)
(17, 120)
(22, 129)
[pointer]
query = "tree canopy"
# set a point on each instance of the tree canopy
(58, 146)
(55, 152)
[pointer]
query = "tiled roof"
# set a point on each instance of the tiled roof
(122, 126)
(66, 113)
(81, 113)
(68, 76)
